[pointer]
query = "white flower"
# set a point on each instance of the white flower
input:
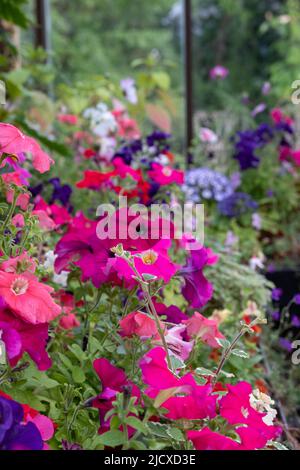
(263, 404)
(102, 120)
(129, 89)
(61, 278)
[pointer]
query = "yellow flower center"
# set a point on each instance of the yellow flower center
(19, 286)
(149, 257)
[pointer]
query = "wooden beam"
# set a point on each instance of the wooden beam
(188, 74)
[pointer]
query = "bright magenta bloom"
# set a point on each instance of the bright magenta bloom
(20, 337)
(194, 401)
(165, 175)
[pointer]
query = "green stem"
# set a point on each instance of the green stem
(227, 353)
(10, 212)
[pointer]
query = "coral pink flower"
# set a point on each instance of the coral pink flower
(194, 401)
(139, 324)
(209, 440)
(20, 337)
(68, 321)
(165, 175)
(203, 328)
(28, 298)
(13, 141)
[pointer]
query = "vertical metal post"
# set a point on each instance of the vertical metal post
(43, 25)
(188, 74)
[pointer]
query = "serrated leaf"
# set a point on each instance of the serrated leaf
(277, 445)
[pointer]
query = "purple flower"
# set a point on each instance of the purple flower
(296, 321)
(197, 290)
(256, 221)
(297, 299)
(276, 315)
(14, 435)
(158, 137)
(260, 108)
(61, 192)
(205, 183)
(276, 293)
(236, 205)
(266, 88)
(248, 142)
(285, 344)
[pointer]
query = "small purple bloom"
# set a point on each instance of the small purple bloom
(276, 293)
(297, 299)
(296, 321)
(276, 315)
(285, 344)
(61, 192)
(236, 205)
(266, 88)
(256, 221)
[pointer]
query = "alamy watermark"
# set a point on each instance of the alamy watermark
(154, 222)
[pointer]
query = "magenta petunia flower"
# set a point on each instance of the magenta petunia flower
(187, 399)
(20, 337)
(165, 175)
(197, 289)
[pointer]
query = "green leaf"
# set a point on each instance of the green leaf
(277, 445)
(137, 424)
(240, 353)
(78, 375)
(112, 438)
(204, 371)
(224, 343)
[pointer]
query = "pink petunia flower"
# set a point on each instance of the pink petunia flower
(13, 141)
(28, 298)
(203, 328)
(165, 175)
(139, 324)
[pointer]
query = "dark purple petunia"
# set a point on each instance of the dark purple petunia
(297, 299)
(247, 142)
(14, 435)
(276, 293)
(197, 289)
(237, 204)
(158, 138)
(61, 192)
(285, 344)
